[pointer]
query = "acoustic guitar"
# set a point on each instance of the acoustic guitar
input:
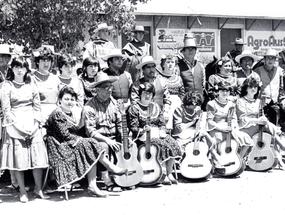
(127, 157)
(229, 158)
(196, 164)
(148, 158)
(261, 157)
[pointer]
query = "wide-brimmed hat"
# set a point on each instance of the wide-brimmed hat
(102, 26)
(146, 60)
(238, 41)
(138, 28)
(43, 52)
(113, 53)
(246, 53)
(271, 52)
(189, 41)
(5, 49)
(101, 78)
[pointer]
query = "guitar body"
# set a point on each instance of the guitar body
(129, 161)
(196, 164)
(230, 159)
(152, 170)
(261, 157)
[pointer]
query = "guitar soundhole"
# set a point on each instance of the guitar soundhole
(127, 156)
(148, 155)
(260, 144)
(228, 149)
(196, 152)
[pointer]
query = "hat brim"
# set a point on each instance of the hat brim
(234, 43)
(239, 57)
(110, 80)
(112, 55)
(98, 29)
(184, 47)
(139, 66)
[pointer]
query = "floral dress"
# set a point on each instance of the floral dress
(176, 92)
(137, 118)
(22, 142)
(69, 163)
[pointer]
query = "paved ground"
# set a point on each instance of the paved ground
(252, 193)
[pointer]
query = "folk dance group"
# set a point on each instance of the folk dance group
(133, 121)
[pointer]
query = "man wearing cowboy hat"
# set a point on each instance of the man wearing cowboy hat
(148, 68)
(246, 60)
(102, 118)
(192, 72)
(135, 50)
(121, 87)
(272, 87)
(238, 43)
(99, 44)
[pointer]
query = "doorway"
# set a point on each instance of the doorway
(228, 35)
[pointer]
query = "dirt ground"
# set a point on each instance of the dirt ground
(253, 192)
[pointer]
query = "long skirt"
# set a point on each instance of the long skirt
(70, 164)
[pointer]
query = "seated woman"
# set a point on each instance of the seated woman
(71, 156)
(248, 106)
(23, 147)
(138, 117)
(185, 120)
(217, 120)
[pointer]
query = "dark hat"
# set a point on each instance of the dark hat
(43, 52)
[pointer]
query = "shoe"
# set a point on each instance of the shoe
(114, 188)
(40, 195)
(219, 171)
(172, 179)
(167, 181)
(98, 193)
(24, 198)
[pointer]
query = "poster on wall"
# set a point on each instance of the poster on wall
(169, 41)
(259, 41)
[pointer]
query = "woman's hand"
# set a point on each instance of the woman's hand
(262, 120)
(114, 145)
(147, 128)
(224, 128)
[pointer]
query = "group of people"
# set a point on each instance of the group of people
(71, 122)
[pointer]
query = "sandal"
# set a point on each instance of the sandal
(114, 188)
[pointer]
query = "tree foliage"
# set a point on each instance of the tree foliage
(61, 22)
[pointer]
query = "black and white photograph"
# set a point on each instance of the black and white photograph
(142, 107)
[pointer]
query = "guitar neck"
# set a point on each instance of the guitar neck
(125, 138)
(230, 117)
(148, 134)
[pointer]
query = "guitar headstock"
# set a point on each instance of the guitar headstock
(122, 106)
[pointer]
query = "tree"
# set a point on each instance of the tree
(61, 23)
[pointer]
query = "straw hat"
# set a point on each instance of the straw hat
(146, 60)
(102, 26)
(189, 41)
(271, 52)
(238, 41)
(101, 78)
(113, 53)
(5, 49)
(138, 28)
(246, 53)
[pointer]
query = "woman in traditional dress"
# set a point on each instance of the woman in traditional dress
(90, 68)
(71, 156)
(218, 114)
(185, 119)
(174, 84)
(224, 73)
(138, 117)
(248, 108)
(65, 65)
(23, 147)
(46, 81)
